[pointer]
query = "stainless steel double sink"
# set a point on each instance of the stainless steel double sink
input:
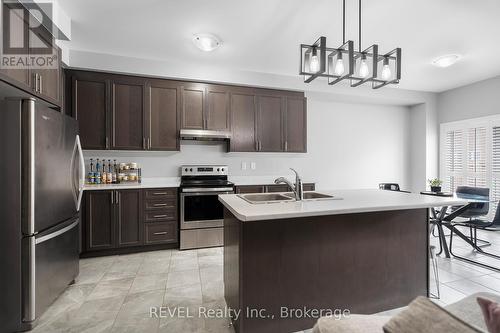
(262, 198)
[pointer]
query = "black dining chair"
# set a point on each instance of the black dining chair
(470, 217)
(474, 211)
(391, 187)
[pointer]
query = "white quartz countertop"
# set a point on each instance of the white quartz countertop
(260, 180)
(351, 201)
(156, 182)
(153, 182)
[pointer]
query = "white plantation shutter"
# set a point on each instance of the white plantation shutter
(476, 157)
(454, 160)
(470, 155)
(495, 169)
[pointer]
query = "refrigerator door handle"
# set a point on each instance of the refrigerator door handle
(57, 233)
(29, 280)
(78, 180)
(81, 182)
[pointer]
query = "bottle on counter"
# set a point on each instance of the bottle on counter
(97, 172)
(115, 175)
(109, 176)
(90, 174)
(103, 173)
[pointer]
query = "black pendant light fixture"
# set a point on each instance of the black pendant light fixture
(338, 64)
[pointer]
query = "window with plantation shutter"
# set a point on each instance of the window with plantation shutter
(495, 168)
(476, 157)
(454, 160)
(470, 155)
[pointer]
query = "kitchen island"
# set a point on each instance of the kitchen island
(287, 263)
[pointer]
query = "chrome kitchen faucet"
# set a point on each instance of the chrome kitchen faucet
(297, 188)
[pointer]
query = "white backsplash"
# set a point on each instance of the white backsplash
(349, 146)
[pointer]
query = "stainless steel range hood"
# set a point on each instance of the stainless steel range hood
(205, 135)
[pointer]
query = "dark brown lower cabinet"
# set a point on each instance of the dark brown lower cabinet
(241, 189)
(165, 232)
(250, 189)
(99, 220)
(129, 217)
(114, 220)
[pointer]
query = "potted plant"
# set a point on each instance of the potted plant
(435, 185)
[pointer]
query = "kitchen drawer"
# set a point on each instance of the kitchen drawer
(278, 188)
(249, 189)
(155, 204)
(160, 216)
(165, 232)
(160, 193)
(309, 187)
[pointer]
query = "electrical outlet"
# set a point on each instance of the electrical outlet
(253, 166)
(243, 165)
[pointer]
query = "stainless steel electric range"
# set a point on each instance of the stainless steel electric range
(202, 215)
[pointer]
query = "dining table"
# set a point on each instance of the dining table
(442, 220)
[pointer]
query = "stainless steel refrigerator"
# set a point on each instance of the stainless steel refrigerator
(41, 179)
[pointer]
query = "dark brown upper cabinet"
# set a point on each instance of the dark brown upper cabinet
(89, 104)
(295, 125)
(122, 112)
(129, 217)
(205, 107)
(128, 113)
(270, 111)
(163, 100)
(16, 20)
(44, 83)
(243, 106)
(47, 81)
(217, 115)
(193, 106)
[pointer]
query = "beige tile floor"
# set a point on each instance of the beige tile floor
(115, 293)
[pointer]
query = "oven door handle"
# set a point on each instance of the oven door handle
(207, 189)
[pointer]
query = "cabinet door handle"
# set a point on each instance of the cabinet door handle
(160, 193)
(159, 216)
(107, 142)
(112, 196)
(41, 82)
(35, 81)
(160, 233)
(256, 145)
(118, 197)
(149, 143)
(144, 143)
(286, 145)
(159, 205)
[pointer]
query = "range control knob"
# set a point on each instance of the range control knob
(191, 169)
(186, 169)
(222, 169)
(218, 169)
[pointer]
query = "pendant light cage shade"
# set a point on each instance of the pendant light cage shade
(388, 69)
(365, 66)
(338, 64)
(341, 63)
(313, 59)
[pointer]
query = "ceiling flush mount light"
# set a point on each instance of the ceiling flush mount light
(337, 64)
(446, 60)
(206, 42)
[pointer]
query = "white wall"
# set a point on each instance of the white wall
(349, 146)
(475, 100)
(357, 136)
